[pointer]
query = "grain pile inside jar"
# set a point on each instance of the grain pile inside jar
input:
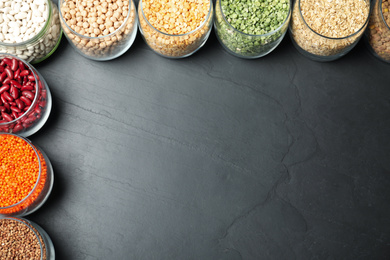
(20, 174)
(20, 240)
(114, 19)
(176, 17)
(330, 18)
(21, 28)
(379, 30)
(167, 18)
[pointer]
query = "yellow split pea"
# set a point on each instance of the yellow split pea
(175, 28)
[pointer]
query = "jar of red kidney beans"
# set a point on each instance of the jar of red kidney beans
(25, 99)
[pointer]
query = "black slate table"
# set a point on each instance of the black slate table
(216, 157)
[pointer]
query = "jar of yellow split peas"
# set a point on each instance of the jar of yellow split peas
(175, 29)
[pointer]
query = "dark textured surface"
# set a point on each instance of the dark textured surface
(215, 157)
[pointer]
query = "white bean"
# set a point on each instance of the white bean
(22, 20)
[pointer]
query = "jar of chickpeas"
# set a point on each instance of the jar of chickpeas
(99, 30)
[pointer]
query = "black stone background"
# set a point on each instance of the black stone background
(216, 157)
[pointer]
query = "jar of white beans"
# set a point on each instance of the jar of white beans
(29, 29)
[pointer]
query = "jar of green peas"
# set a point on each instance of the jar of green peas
(251, 29)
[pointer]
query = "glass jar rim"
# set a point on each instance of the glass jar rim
(381, 14)
(99, 37)
(258, 35)
(39, 175)
(30, 226)
(340, 38)
(37, 90)
(178, 35)
(38, 35)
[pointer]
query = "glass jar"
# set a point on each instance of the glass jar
(41, 187)
(102, 47)
(175, 45)
(25, 115)
(315, 45)
(21, 237)
(244, 45)
(377, 35)
(43, 44)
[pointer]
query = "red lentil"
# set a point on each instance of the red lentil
(19, 174)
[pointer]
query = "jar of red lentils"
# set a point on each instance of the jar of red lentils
(24, 239)
(26, 176)
(175, 29)
(25, 99)
(377, 35)
(99, 30)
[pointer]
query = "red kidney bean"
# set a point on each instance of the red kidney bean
(4, 88)
(24, 73)
(31, 78)
(16, 84)
(42, 103)
(7, 81)
(2, 109)
(5, 101)
(6, 116)
(38, 110)
(9, 72)
(25, 100)
(7, 61)
(7, 96)
(3, 76)
(21, 66)
(28, 120)
(17, 128)
(17, 110)
(14, 65)
(14, 114)
(20, 104)
(26, 87)
(31, 116)
(2, 121)
(1, 69)
(16, 74)
(28, 94)
(14, 92)
(12, 103)
(7, 106)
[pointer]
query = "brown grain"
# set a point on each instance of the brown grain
(328, 27)
(19, 240)
(378, 30)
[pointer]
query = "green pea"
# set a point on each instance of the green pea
(252, 17)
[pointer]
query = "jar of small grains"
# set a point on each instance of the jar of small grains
(173, 28)
(29, 29)
(99, 30)
(24, 239)
(26, 176)
(251, 29)
(25, 99)
(377, 35)
(327, 30)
